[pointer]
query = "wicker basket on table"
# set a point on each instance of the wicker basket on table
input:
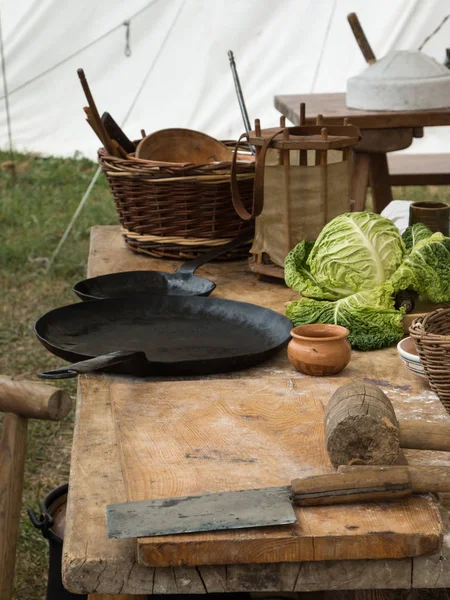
(432, 337)
(171, 210)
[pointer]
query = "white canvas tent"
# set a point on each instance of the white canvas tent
(178, 72)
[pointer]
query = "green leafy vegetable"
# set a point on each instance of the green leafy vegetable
(350, 275)
(355, 252)
(414, 234)
(299, 277)
(426, 269)
(370, 316)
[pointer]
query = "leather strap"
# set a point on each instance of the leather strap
(258, 189)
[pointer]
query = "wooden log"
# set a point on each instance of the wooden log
(33, 400)
(371, 484)
(361, 426)
(424, 479)
(12, 455)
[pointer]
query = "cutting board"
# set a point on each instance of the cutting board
(194, 437)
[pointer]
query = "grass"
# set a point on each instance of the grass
(33, 217)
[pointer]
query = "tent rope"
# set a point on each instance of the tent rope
(89, 45)
(322, 50)
(432, 34)
(49, 262)
(8, 114)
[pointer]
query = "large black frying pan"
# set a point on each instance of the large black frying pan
(181, 283)
(161, 335)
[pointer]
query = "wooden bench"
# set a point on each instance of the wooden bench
(419, 169)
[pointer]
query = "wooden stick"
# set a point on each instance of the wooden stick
(33, 400)
(319, 121)
(95, 115)
(303, 153)
(282, 153)
(143, 133)
(424, 479)
(93, 123)
(374, 485)
(13, 443)
(323, 154)
(361, 38)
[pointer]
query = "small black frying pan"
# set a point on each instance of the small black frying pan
(157, 283)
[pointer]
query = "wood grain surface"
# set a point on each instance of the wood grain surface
(93, 563)
(334, 110)
(189, 438)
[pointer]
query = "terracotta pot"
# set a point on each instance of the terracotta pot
(319, 349)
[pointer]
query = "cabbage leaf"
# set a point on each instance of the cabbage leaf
(298, 276)
(355, 252)
(414, 234)
(426, 269)
(369, 316)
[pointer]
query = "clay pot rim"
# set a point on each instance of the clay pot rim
(326, 332)
(431, 205)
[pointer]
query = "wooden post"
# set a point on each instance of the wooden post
(12, 456)
(319, 121)
(20, 400)
(323, 158)
(303, 153)
(287, 193)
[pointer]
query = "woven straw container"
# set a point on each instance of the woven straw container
(432, 337)
(171, 210)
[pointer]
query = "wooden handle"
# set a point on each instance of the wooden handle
(424, 479)
(361, 38)
(371, 485)
(424, 435)
(33, 400)
(99, 126)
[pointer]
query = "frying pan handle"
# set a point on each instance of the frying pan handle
(191, 266)
(132, 363)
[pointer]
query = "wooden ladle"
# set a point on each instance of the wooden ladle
(184, 146)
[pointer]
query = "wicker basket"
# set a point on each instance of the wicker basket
(174, 210)
(432, 337)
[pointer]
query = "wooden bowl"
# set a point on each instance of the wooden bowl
(182, 146)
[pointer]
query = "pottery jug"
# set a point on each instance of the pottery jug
(319, 349)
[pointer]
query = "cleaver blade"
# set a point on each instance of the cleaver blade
(208, 512)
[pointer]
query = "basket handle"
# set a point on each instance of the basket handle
(258, 189)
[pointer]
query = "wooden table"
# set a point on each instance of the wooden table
(381, 131)
(93, 563)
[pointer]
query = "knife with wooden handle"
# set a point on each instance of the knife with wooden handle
(271, 506)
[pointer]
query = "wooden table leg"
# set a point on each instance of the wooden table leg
(379, 182)
(360, 179)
